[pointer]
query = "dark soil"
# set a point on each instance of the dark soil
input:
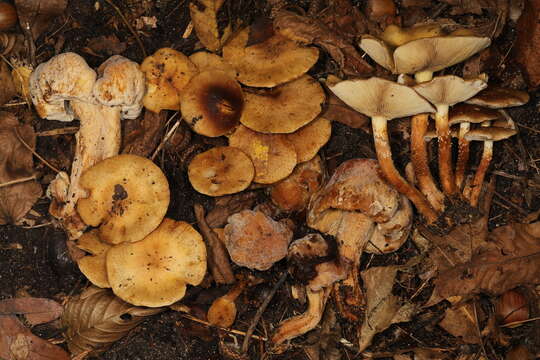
(35, 262)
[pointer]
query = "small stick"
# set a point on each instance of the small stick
(126, 22)
(59, 131)
(232, 331)
(33, 152)
(166, 137)
(18, 181)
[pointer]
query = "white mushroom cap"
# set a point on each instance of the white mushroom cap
(450, 89)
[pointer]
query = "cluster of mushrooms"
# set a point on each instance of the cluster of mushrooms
(259, 96)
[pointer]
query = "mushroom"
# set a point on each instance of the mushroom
(222, 312)
(396, 36)
(221, 171)
(167, 73)
(212, 103)
(128, 197)
(205, 61)
(284, 109)
(94, 266)
(443, 92)
(255, 240)
(384, 100)
(66, 88)
(309, 139)
(154, 272)
(497, 98)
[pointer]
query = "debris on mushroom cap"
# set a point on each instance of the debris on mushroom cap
(496, 98)
(396, 36)
(221, 171)
(389, 236)
(167, 72)
(271, 62)
(155, 271)
(94, 266)
(255, 240)
(470, 113)
(490, 134)
(73, 79)
(294, 192)
(128, 196)
(449, 89)
(212, 103)
(273, 155)
(206, 61)
(121, 83)
(284, 109)
(309, 139)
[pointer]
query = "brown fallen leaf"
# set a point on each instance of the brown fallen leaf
(337, 110)
(96, 318)
(37, 14)
(107, 45)
(18, 343)
(342, 17)
(527, 47)
(461, 321)
(204, 19)
(16, 163)
(35, 310)
(225, 206)
(143, 135)
(8, 90)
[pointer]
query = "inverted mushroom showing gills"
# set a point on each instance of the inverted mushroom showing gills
(385, 100)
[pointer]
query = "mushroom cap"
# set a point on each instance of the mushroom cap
(269, 63)
(206, 61)
(376, 97)
(309, 139)
(212, 103)
(284, 109)
(497, 97)
(449, 89)
(273, 155)
(221, 171)
(94, 266)
(490, 134)
(396, 36)
(154, 271)
(121, 83)
(470, 114)
(379, 51)
(436, 53)
(167, 72)
(128, 197)
(255, 240)
(63, 78)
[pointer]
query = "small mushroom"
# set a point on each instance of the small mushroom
(94, 266)
(221, 171)
(222, 312)
(284, 109)
(128, 197)
(309, 139)
(154, 272)
(497, 98)
(212, 103)
(255, 240)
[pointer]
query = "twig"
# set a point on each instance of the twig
(528, 128)
(261, 310)
(508, 202)
(126, 22)
(232, 331)
(33, 151)
(478, 332)
(18, 181)
(167, 136)
(59, 131)
(515, 323)
(20, 103)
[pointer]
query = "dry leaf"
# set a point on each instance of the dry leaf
(337, 110)
(225, 206)
(145, 134)
(527, 46)
(96, 319)
(204, 19)
(35, 310)
(8, 90)
(460, 321)
(16, 163)
(38, 13)
(107, 45)
(509, 259)
(18, 343)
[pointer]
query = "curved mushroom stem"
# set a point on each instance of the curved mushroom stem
(446, 173)
(463, 154)
(478, 181)
(384, 155)
(419, 158)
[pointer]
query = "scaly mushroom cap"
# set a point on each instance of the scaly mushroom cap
(376, 97)
(167, 72)
(436, 53)
(155, 271)
(206, 61)
(269, 63)
(496, 98)
(449, 89)
(470, 114)
(121, 83)
(490, 134)
(273, 155)
(284, 109)
(66, 76)
(128, 198)
(212, 103)
(255, 240)
(309, 139)
(94, 266)
(221, 171)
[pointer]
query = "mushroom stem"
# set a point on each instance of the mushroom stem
(384, 155)
(419, 158)
(445, 150)
(463, 154)
(423, 76)
(476, 186)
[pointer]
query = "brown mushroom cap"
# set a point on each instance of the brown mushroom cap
(221, 171)
(396, 36)
(273, 156)
(284, 109)
(268, 63)
(128, 198)
(94, 266)
(490, 134)
(206, 61)
(167, 72)
(212, 103)
(155, 271)
(309, 139)
(496, 98)
(255, 240)
(471, 114)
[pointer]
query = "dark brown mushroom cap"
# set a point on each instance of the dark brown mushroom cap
(490, 134)
(212, 103)
(471, 114)
(498, 97)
